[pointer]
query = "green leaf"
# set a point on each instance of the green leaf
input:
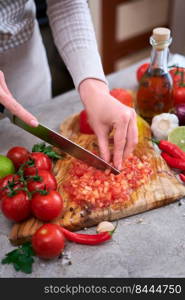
(21, 258)
(46, 150)
(28, 249)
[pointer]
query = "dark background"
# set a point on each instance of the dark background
(61, 79)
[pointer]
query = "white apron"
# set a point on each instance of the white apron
(27, 72)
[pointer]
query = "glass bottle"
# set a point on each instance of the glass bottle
(154, 95)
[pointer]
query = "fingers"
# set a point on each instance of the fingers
(13, 106)
(125, 138)
(103, 143)
(132, 136)
(120, 141)
(3, 84)
(21, 113)
(18, 110)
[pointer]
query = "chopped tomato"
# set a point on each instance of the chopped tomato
(97, 189)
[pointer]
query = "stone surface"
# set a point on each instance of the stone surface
(151, 244)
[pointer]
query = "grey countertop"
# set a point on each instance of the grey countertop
(151, 244)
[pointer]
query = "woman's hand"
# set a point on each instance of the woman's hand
(104, 113)
(13, 106)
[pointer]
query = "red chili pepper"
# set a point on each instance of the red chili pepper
(182, 177)
(174, 162)
(87, 239)
(170, 148)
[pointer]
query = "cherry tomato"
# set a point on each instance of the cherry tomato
(18, 155)
(10, 181)
(47, 207)
(178, 95)
(42, 180)
(123, 96)
(40, 162)
(16, 208)
(178, 75)
(48, 241)
(84, 125)
(141, 70)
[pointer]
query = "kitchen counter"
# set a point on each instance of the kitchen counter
(151, 244)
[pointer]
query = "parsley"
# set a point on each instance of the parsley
(48, 150)
(21, 258)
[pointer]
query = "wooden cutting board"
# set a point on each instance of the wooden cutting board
(161, 188)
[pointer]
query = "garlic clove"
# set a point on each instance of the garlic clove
(162, 124)
(105, 226)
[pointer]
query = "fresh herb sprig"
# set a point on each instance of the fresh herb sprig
(48, 150)
(21, 258)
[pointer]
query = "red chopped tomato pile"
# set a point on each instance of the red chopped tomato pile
(98, 189)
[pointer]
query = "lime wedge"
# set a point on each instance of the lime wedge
(177, 136)
(6, 166)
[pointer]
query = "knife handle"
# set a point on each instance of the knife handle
(5, 113)
(2, 108)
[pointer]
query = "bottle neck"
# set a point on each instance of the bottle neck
(159, 59)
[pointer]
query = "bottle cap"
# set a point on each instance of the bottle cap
(161, 37)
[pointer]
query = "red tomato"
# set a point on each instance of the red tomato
(18, 155)
(10, 181)
(84, 125)
(16, 208)
(40, 162)
(123, 96)
(178, 75)
(47, 207)
(42, 180)
(178, 95)
(48, 241)
(141, 70)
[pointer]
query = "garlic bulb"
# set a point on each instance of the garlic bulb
(162, 124)
(105, 226)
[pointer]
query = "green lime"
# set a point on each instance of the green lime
(177, 136)
(6, 166)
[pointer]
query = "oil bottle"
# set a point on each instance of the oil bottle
(154, 95)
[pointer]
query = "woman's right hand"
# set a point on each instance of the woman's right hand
(13, 106)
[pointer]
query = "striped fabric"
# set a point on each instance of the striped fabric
(72, 31)
(16, 22)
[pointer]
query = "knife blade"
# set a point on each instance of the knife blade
(66, 145)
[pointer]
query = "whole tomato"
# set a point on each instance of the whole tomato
(17, 207)
(42, 180)
(18, 155)
(123, 96)
(141, 70)
(178, 75)
(48, 206)
(38, 161)
(48, 241)
(84, 125)
(11, 181)
(178, 95)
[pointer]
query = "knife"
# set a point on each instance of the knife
(52, 137)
